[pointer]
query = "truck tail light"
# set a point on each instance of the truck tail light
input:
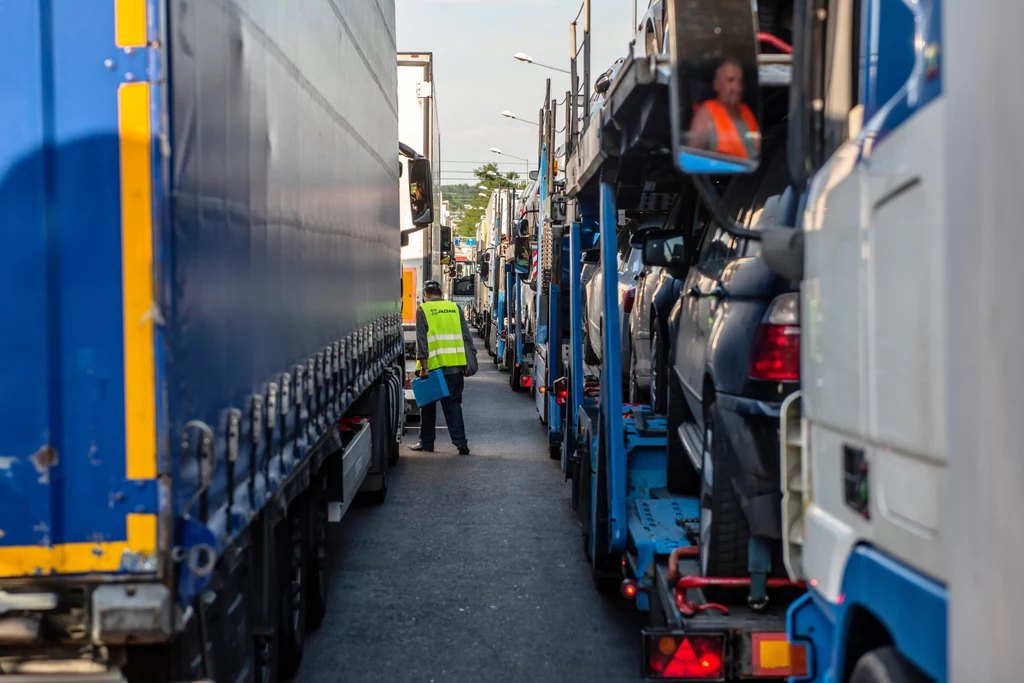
(776, 352)
(684, 658)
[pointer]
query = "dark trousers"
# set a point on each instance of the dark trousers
(452, 407)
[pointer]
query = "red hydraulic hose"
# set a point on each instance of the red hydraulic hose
(776, 42)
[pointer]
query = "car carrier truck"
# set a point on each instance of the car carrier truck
(201, 353)
(640, 497)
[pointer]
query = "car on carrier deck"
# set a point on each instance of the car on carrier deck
(659, 286)
(736, 357)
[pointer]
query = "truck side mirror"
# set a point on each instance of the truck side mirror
(446, 240)
(714, 99)
(523, 252)
(421, 191)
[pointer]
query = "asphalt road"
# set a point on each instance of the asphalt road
(473, 569)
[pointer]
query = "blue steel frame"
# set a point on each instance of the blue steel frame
(576, 342)
(542, 314)
(611, 376)
(516, 283)
(512, 299)
(499, 351)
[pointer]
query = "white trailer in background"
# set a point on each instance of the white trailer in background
(418, 129)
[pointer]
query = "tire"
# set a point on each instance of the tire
(589, 355)
(724, 531)
(380, 422)
(397, 422)
(317, 566)
(886, 665)
(603, 564)
(555, 451)
(292, 562)
(266, 648)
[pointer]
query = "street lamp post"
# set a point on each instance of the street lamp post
(527, 59)
(509, 115)
(495, 150)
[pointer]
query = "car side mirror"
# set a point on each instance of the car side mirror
(421, 191)
(592, 256)
(664, 248)
(534, 174)
(714, 99)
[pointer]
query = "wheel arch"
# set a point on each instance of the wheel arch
(865, 632)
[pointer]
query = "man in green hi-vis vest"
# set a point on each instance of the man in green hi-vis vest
(442, 340)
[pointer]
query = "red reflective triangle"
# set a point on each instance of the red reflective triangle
(684, 663)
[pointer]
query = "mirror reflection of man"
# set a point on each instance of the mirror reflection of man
(416, 194)
(725, 124)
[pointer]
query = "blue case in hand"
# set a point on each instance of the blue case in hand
(431, 389)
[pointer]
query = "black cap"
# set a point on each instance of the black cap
(432, 287)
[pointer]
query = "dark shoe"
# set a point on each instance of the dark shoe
(463, 450)
(421, 447)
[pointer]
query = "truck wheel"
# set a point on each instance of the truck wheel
(317, 579)
(886, 665)
(379, 424)
(266, 646)
(724, 532)
(396, 403)
(589, 355)
(291, 546)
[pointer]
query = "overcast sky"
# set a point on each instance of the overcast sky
(476, 78)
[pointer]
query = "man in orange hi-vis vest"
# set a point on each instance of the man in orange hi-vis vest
(725, 125)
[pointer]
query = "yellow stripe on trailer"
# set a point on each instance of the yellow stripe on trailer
(130, 23)
(137, 280)
(81, 558)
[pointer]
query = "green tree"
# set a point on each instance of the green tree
(491, 178)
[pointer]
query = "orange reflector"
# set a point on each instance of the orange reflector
(542, 390)
(771, 655)
(798, 658)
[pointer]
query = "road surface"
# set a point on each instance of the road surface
(473, 569)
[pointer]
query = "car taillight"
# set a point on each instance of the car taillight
(776, 351)
(627, 300)
(690, 658)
